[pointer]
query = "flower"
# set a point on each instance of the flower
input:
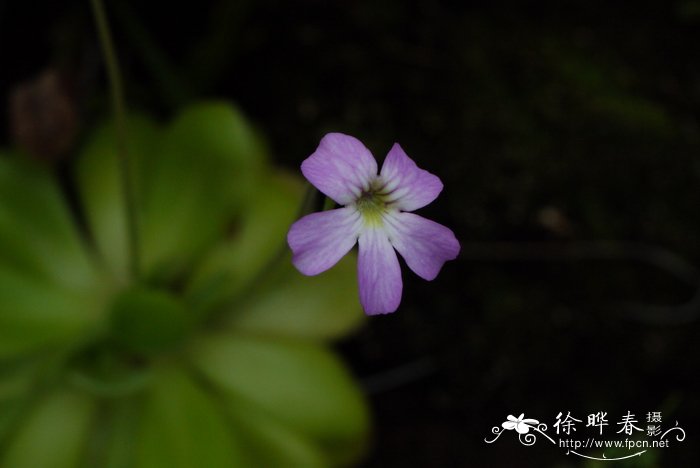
(522, 426)
(376, 214)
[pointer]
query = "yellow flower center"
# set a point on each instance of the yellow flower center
(373, 203)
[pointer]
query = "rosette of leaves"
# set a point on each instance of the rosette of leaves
(214, 355)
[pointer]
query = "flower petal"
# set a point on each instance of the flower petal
(508, 425)
(522, 428)
(379, 273)
(319, 240)
(409, 186)
(424, 244)
(341, 167)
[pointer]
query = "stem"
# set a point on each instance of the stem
(173, 91)
(119, 108)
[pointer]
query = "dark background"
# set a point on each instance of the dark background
(567, 135)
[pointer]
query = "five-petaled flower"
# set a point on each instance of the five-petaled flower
(375, 213)
(522, 426)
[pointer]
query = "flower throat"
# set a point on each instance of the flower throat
(372, 203)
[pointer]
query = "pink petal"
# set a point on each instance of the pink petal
(409, 186)
(341, 168)
(319, 240)
(379, 274)
(424, 244)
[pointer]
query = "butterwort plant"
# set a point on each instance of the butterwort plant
(212, 353)
(375, 213)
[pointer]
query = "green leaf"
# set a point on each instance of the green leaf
(35, 314)
(219, 131)
(269, 442)
(112, 441)
(301, 384)
(54, 434)
(258, 239)
(189, 179)
(98, 177)
(37, 235)
(183, 428)
(206, 167)
(291, 304)
(255, 263)
(17, 378)
(148, 321)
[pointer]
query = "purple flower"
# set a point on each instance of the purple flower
(375, 214)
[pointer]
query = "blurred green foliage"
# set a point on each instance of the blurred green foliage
(216, 355)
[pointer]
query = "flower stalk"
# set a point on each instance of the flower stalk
(119, 108)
